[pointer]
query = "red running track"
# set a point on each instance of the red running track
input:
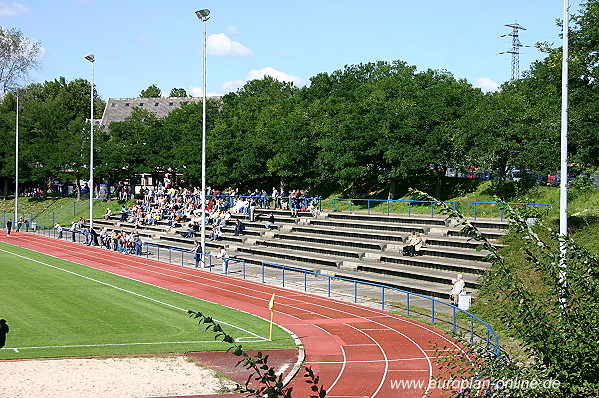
(356, 351)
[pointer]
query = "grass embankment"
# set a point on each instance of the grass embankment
(60, 210)
(583, 223)
(56, 308)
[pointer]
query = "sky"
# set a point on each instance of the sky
(138, 43)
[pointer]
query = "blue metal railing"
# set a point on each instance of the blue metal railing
(437, 307)
(526, 205)
(490, 337)
(409, 203)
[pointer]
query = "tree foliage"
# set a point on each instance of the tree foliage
(151, 92)
(18, 56)
(552, 307)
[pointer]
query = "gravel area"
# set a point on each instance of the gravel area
(107, 378)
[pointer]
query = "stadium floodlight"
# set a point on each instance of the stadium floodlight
(203, 15)
(17, 161)
(91, 59)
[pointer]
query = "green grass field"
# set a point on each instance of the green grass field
(56, 308)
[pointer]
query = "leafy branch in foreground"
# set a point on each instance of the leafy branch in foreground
(559, 340)
(270, 385)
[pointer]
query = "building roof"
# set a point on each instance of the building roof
(118, 109)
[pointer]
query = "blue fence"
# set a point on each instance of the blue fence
(526, 206)
(409, 204)
(435, 311)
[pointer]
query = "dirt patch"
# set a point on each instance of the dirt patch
(108, 378)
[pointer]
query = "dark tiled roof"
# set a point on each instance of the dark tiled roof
(118, 109)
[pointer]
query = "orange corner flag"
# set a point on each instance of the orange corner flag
(271, 307)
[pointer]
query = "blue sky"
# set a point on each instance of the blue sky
(142, 42)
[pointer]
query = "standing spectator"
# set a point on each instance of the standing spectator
(197, 252)
(58, 228)
(457, 289)
(3, 332)
(8, 227)
(86, 236)
(93, 237)
(138, 244)
(252, 210)
(222, 253)
(275, 198)
(73, 230)
(20, 224)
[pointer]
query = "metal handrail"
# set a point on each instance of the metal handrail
(490, 337)
(511, 204)
(389, 201)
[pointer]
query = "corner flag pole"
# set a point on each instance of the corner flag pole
(271, 307)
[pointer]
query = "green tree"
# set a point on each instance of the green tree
(183, 127)
(178, 92)
(151, 92)
(137, 144)
(18, 56)
(250, 130)
(53, 133)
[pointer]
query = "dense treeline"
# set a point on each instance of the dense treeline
(365, 126)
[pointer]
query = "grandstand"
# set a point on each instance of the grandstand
(351, 245)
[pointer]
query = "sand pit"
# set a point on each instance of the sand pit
(108, 378)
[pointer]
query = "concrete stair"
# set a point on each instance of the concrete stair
(357, 246)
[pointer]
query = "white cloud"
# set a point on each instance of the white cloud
(233, 30)
(197, 92)
(486, 84)
(43, 52)
(143, 40)
(13, 9)
(219, 44)
(278, 75)
(234, 85)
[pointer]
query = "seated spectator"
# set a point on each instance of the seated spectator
(295, 208)
(270, 222)
(239, 227)
(216, 233)
(315, 211)
(414, 245)
(108, 213)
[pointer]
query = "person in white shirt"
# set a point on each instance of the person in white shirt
(222, 253)
(457, 289)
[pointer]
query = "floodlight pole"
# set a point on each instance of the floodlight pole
(17, 163)
(91, 59)
(203, 15)
(563, 203)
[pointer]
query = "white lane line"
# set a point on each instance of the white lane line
(109, 345)
(126, 291)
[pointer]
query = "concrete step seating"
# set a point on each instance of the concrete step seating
(416, 220)
(381, 227)
(388, 238)
(274, 256)
(359, 246)
(357, 243)
(321, 249)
